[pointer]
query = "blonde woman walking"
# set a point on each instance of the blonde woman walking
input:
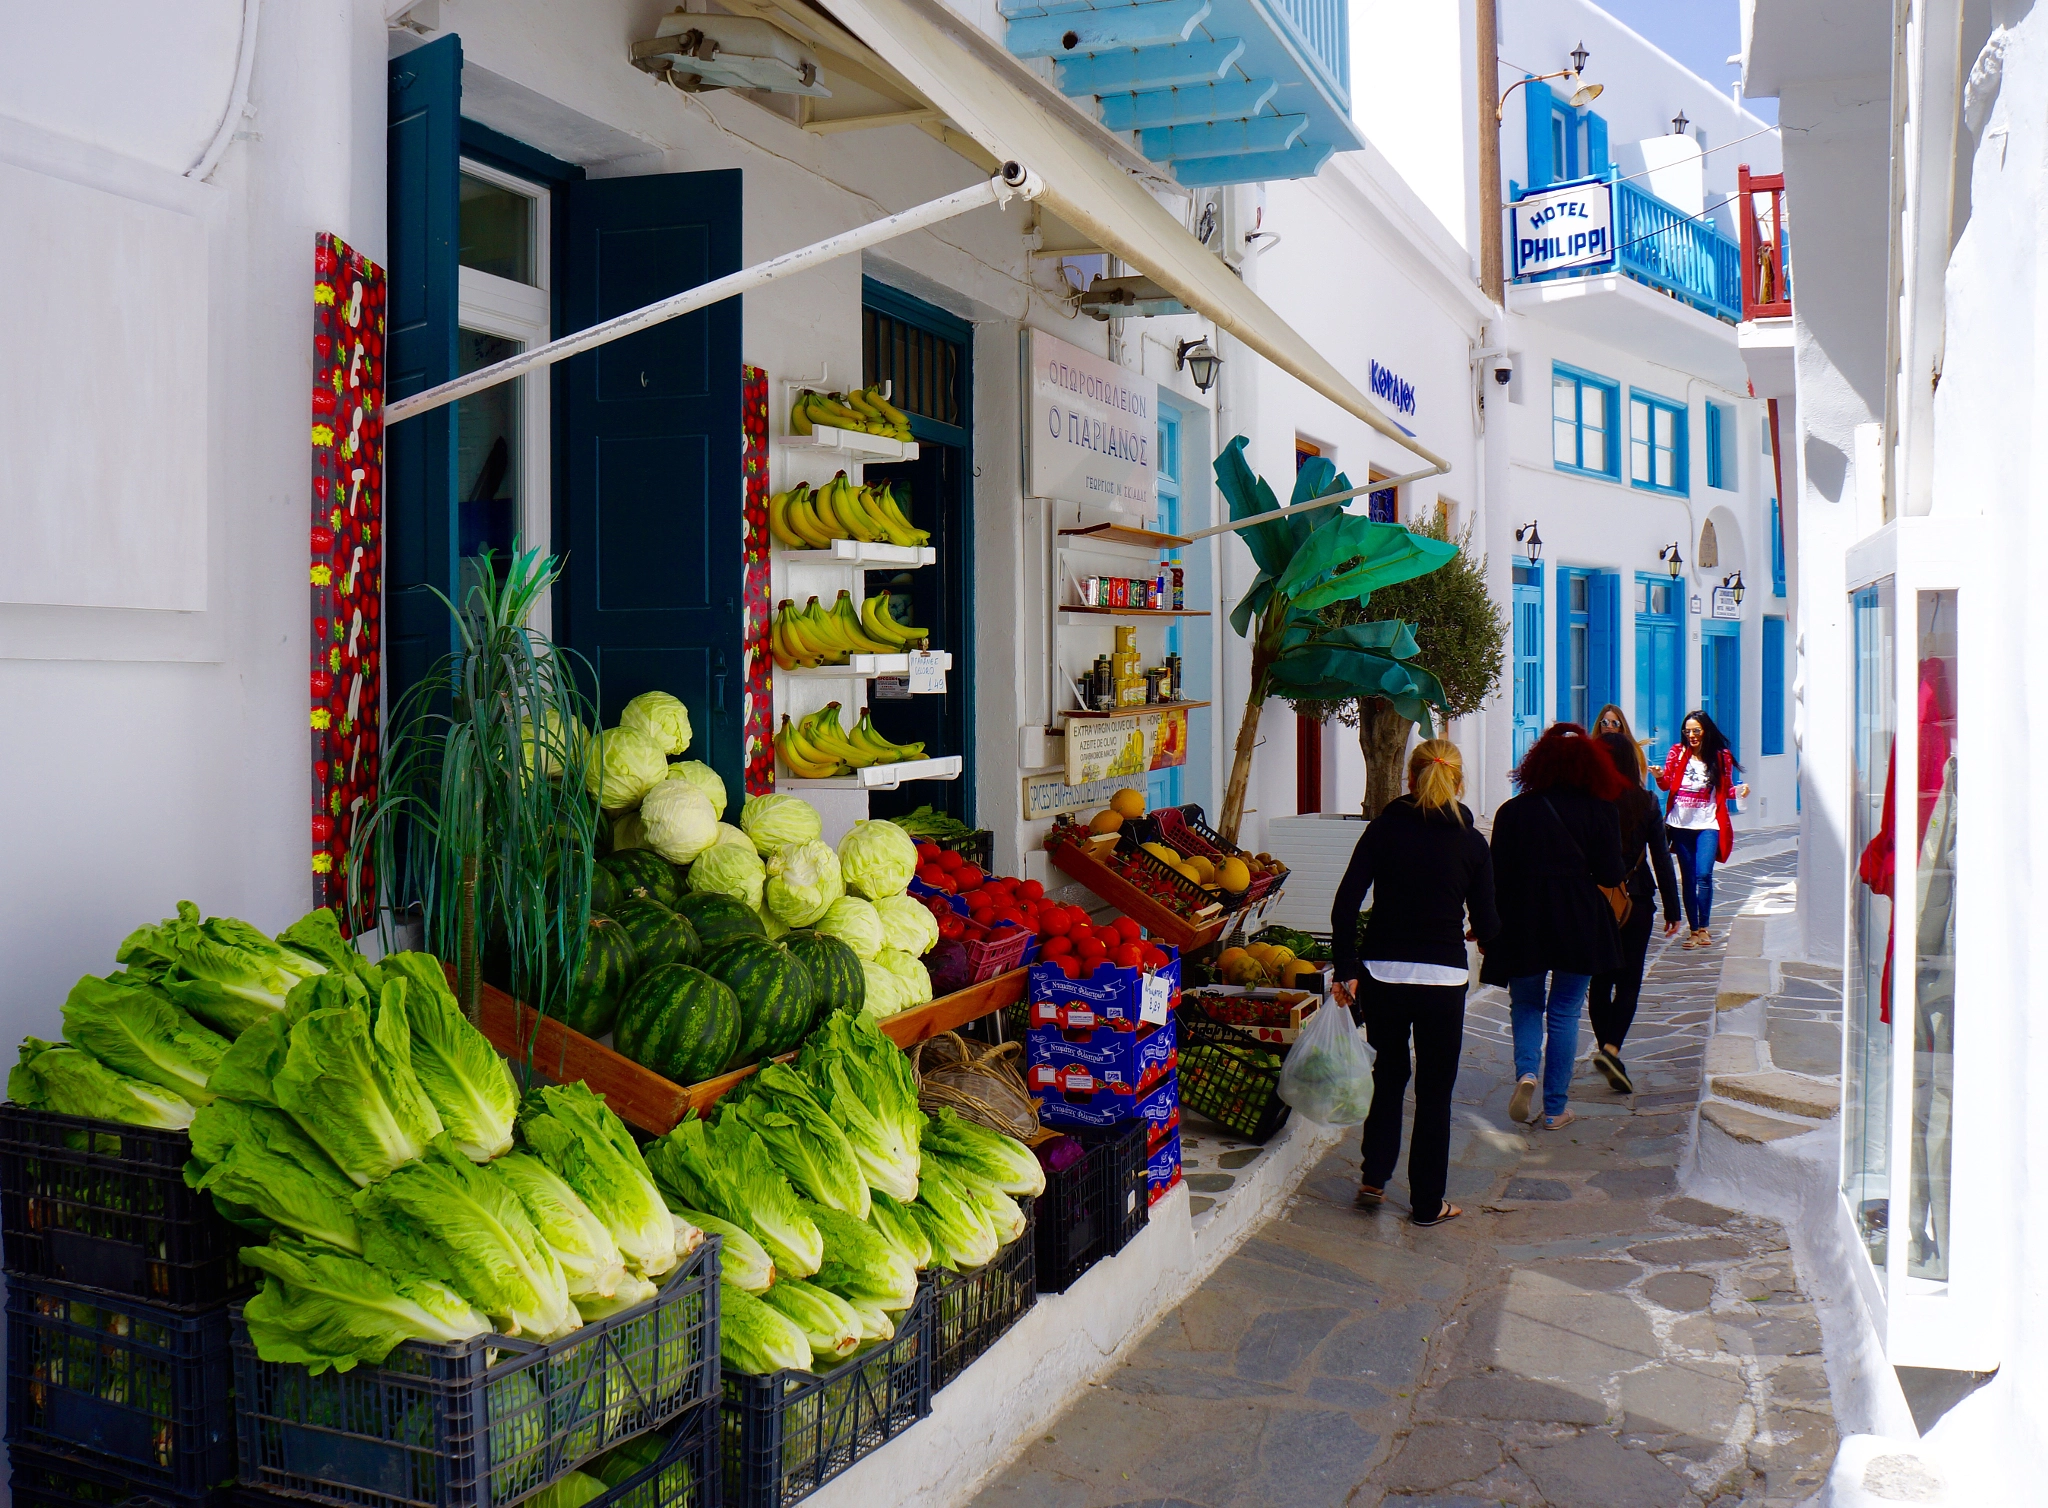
(1427, 869)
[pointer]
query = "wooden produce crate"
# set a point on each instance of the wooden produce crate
(1187, 933)
(1268, 1015)
(645, 1099)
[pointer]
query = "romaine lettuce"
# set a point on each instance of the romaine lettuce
(52, 1076)
(573, 1131)
(257, 1159)
(134, 1029)
(348, 1081)
(323, 1308)
(458, 1068)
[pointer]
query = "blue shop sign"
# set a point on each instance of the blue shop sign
(1392, 389)
(1569, 225)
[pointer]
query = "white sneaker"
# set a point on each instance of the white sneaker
(1524, 1100)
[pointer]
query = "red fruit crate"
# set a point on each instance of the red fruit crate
(1166, 903)
(1183, 830)
(997, 954)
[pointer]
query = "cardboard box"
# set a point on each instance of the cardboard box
(1071, 1096)
(1288, 1011)
(1110, 991)
(1114, 1049)
(1162, 1168)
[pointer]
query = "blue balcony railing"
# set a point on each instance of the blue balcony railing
(1321, 28)
(1686, 256)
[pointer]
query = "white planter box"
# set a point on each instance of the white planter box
(1317, 850)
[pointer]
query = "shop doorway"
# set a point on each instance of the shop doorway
(1660, 668)
(926, 355)
(1528, 639)
(1167, 787)
(1721, 677)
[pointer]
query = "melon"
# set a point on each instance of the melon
(610, 964)
(605, 891)
(679, 1022)
(659, 935)
(719, 919)
(776, 994)
(645, 872)
(841, 983)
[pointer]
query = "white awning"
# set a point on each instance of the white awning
(975, 84)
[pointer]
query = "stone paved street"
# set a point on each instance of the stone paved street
(1585, 1337)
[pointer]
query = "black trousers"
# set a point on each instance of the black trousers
(1611, 1002)
(1434, 1014)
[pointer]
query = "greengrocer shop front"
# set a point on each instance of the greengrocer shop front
(861, 517)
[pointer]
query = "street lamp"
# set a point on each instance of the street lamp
(1733, 581)
(1679, 123)
(1673, 562)
(1583, 96)
(1530, 541)
(1199, 359)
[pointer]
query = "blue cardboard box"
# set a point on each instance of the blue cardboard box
(1070, 1095)
(1113, 1048)
(1162, 1168)
(1110, 990)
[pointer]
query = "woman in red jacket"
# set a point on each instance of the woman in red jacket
(1699, 779)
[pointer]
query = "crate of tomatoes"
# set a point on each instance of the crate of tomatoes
(993, 918)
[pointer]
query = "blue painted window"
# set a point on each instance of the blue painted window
(1383, 506)
(1722, 469)
(1582, 422)
(1588, 643)
(1773, 732)
(1777, 550)
(1656, 444)
(1528, 651)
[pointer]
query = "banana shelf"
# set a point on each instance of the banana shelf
(859, 667)
(854, 552)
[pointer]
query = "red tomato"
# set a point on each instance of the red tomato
(1010, 916)
(1111, 938)
(1069, 966)
(1155, 959)
(973, 897)
(968, 874)
(935, 877)
(983, 915)
(1054, 922)
(973, 931)
(1058, 947)
(950, 861)
(927, 852)
(1030, 890)
(1129, 956)
(1090, 947)
(1128, 926)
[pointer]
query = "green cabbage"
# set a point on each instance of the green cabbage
(222, 970)
(879, 859)
(974, 1151)
(662, 718)
(322, 1308)
(913, 979)
(627, 766)
(726, 1170)
(867, 1085)
(546, 754)
(465, 1225)
(732, 869)
(348, 1081)
(901, 1229)
(257, 1159)
(907, 924)
(580, 1241)
(856, 923)
(805, 1142)
(772, 926)
(728, 834)
(803, 882)
(65, 1081)
(827, 1320)
(574, 1132)
(860, 1262)
(755, 1339)
(886, 993)
(774, 822)
(458, 1068)
(628, 831)
(678, 821)
(704, 778)
(134, 1029)
(741, 1259)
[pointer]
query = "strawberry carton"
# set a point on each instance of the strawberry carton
(1115, 1049)
(1111, 989)
(1070, 1095)
(1162, 1168)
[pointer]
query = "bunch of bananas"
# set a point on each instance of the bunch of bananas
(801, 519)
(864, 410)
(816, 635)
(818, 747)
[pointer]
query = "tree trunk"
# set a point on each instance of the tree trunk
(1247, 740)
(1383, 740)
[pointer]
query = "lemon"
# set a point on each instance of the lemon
(1109, 822)
(1128, 803)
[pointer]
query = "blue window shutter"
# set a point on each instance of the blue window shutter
(1777, 550)
(1596, 146)
(1713, 444)
(1603, 641)
(1774, 686)
(1563, 630)
(649, 449)
(423, 156)
(1538, 103)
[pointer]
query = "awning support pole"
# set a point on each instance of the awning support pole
(1321, 502)
(1013, 179)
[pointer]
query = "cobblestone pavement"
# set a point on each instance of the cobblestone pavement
(1584, 1337)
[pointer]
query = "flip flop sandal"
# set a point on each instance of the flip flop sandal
(1447, 1212)
(1524, 1099)
(1368, 1197)
(1560, 1121)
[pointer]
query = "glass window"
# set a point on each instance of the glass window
(487, 455)
(1867, 1099)
(1580, 421)
(1656, 434)
(496, 229)
(1934, 941)
(1564, 420)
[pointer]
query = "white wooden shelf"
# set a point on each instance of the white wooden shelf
(1085, 537)
(877, 777)
(861, 667)
(856, 444)
(1087, 617)
(851, 552)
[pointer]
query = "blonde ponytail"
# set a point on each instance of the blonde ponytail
(1436, 776)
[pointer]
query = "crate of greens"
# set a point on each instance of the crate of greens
(1229, 1077)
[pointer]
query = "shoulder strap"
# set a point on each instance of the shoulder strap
(1562, 827)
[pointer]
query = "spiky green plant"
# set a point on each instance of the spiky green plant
(483, 821)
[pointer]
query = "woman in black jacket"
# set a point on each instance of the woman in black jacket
(1612, 1001)
(1426, 868)
(1554, 846)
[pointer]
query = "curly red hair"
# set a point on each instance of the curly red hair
(1564, 755)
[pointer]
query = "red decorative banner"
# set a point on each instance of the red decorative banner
(759, 726)
(347, 571)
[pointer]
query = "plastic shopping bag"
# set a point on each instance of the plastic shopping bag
(1328, 1072)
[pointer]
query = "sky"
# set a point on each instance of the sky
(1701, 34)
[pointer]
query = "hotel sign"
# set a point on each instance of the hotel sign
(1569, 225)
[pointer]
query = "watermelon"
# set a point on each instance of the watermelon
(605, 891)
(680, 1022)
(642, 870)
(659, 935)
(776, 993)
(719, 918)
(842, 984)
(610, 963)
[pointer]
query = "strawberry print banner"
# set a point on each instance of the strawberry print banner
(347, 570)
(759, 727)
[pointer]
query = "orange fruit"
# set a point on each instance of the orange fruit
(1109, 822)
(1128, 803)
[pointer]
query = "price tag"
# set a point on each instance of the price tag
(1158, 992)
(927, 677)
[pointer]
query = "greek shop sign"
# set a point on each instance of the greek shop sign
(1571, 225)
(1091, 428)
(1394, 390)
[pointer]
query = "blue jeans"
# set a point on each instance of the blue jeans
(1697, 851)
(1553, 1023)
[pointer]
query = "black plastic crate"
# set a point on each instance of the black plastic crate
(105, 1206)
(973, 1310)
(789, 1433)
(1229, 1077)
(482, 1422)
(688, 1473)
(47, 1479)
(1093, 1209)
(146, 1388)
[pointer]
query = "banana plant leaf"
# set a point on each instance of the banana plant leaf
(1355, 558)
(1272, 545)
(1390, 636)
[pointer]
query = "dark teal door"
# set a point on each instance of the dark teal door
(1721, 677)
(1660, 666)
(648, 505)
(1528, 646)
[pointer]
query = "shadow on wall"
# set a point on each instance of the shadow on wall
(1827, 467)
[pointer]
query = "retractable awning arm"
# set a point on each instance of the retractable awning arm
(1014, 180)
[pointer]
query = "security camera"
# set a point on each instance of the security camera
(1503, 370)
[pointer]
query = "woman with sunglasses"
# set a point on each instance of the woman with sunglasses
(1613, 720)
